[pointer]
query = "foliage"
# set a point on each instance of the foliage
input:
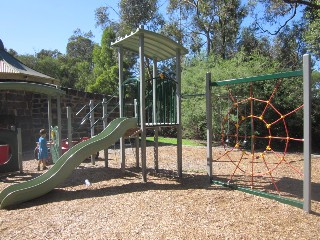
(250, 43)
(312, 36)
(105, 65)
(134, 13)
(217, 42)
(80, 46)
(214, 24)
(46, 64)
(288, 47)
(315, 110)
(78, 60)
(102, 18)
(194, 109)
(173, 141)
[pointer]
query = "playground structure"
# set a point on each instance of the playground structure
(252, 118)
(158, 48)
(13, 137)
(10, 150)
(70, 141)
(43, 184)
(159, 105)
(147, 44)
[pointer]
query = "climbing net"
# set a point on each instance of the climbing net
(251, 140)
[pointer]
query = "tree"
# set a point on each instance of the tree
(313, 4)
(312, 35)
(49, 53)
(279, 12)
(12, 52)
(250, 43)
(215, 23)
(78, 62)
(194, 110)
(103, 20)
(43, 63)
(134, 13)
(280, 15)
(288, 47)
(105, 65)
(80, 46)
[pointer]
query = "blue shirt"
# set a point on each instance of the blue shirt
(43, 149)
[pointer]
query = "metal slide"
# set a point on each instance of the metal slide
(62, 169)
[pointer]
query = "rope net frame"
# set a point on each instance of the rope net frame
(251, 143)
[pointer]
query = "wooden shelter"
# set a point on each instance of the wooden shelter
(15, 76)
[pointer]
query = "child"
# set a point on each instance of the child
(43, 150)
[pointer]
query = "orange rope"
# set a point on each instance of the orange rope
(253, 137)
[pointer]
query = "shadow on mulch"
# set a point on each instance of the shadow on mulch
(103, 174)
(18, 177)
(288, 187)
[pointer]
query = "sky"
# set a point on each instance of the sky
(28, 26)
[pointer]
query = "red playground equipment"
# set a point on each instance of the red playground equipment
(65, 143)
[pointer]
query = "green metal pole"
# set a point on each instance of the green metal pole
(121, 105)
(142, 109)
(209, 124)
(307, 133)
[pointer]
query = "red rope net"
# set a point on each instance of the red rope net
(240, 148)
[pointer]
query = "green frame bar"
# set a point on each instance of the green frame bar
(295, 203)
(297, 73)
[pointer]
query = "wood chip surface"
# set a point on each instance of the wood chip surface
(118, 205)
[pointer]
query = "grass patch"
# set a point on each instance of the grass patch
(173, 141)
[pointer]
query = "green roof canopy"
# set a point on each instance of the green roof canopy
(155, 45)
(32, 87)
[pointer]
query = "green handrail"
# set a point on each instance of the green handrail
(297, 73)
(165, 98)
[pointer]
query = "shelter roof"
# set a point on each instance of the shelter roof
(155, 45)
(46, 89)
(12, 69)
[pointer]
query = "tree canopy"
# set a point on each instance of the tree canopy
(231, 38)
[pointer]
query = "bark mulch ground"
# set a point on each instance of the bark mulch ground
(117, 205)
